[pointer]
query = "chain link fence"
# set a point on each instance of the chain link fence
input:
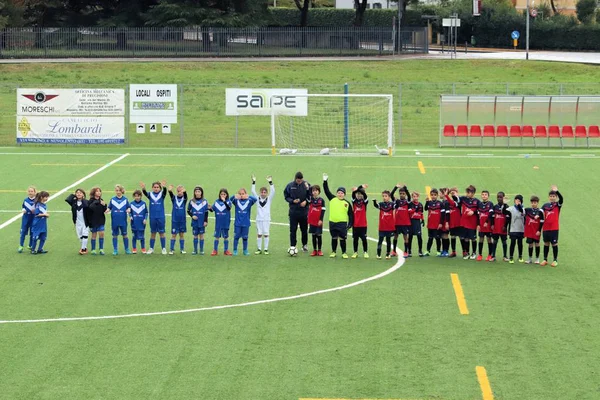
(202, 121)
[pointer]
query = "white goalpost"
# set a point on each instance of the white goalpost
(333, 124)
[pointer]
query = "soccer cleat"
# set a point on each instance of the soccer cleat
(29, 247)
(366, 255)
(150, 251)
(164, 252)
(438, 253)
(202, 253)
(314, 253)
(452, 255)
(465, 256)
(405, 255)
(332, 255)
(170, 252)
(127, 251)
(42, 251)
(387, 257)
(444, 254)
(81, 252)
(554, 264)
(505, 259)
(426, 254)
(492, 259)
(246, 252)
(214, 253)
(101, 252)
(320, 253)
(489, 258)
(258, 252)
(183, 252)
(479, 258)
(473, 256)
(134, 251)
(544, 263)
(33, 252)
(344, 256)
(378, 257)
(422, 255)
(410, 254)
(143, 250)
(529, 261)
(511, 261)
(393, 254)
(93, 252)
(194, 253)
(537, 260)
(465, 253)
(235, 253)
(305, 248)
(521, 260)
(355, 255)
(266, 252)
(227, 253)
(20, 249)
(115, 253)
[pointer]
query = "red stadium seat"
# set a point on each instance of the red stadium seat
(501, 131)
(594, 131)
(554, 131)
(475, 131)
(515, 131)
(580, 131)
(567, 131)
(449, 131)
(540, 131)
(462, 131)
(489, 131)
(527, 131)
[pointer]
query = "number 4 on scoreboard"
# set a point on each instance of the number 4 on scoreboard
(153, 128)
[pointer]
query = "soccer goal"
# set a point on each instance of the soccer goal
(334, 124)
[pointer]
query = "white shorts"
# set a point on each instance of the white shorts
(262, 227)
(81, 229)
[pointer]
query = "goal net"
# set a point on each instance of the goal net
(334, 124)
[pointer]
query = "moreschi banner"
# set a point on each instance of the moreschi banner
(152, 104)
(71, 130)
(260, 101)
(70, 102)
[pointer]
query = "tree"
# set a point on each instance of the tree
(303, 7)
(585, 10)
(360, 7)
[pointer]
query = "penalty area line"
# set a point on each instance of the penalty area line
(71, 186)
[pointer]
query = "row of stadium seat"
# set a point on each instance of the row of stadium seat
(540, 131)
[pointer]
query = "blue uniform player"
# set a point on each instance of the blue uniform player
(198, 209)
(28, 214)
(243, 205)
(119, 208)
(157, 213)
(222, 210)
(139, 219)
(39, 227)
(178, 217)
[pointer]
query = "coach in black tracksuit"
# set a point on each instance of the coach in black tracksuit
(297, 194)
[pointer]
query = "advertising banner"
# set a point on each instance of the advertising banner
(149, 104)
(261, 101)
(70, 102)
(71, 130)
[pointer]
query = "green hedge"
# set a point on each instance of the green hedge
(332, 17)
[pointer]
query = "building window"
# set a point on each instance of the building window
(376, 5)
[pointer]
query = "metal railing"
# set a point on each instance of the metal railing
(206, 42)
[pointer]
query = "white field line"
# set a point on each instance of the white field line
(62, 191)
(383, 274)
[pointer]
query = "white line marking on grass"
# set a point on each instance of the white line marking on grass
(383, 274)
(60, 192)
(479, 155)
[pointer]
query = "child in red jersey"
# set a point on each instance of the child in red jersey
(386, 223)
(359, 227)
(486, 218)
(501, 219)
(551, 215)
(401, 217)
(454, 216)
(469, 221)
(316, 212)
(415, 209)
(444, 232)
(534, 222)
(435, 211)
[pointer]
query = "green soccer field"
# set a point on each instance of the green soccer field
(184, 327)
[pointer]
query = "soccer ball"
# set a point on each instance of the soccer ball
(293, 251)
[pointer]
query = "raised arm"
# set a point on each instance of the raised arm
(70, 199)
(375, 203)
(328, 193)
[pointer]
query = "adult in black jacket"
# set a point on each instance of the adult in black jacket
(297, 194)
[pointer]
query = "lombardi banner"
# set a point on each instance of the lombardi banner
(261, 101)
(77, 116)
(71, 130)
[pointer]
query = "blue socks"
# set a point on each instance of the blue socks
(172, 244)
(93, 244)
(201, 245)
(126, 243)
(235, 243)
(143, 243)
(195, 245)
(42, 242)
(216, 245)
(22, 238)
(152, 241)
(163, 242)
(115, 243)
(245, 243)
(181, 244)
(226, 244)
(101, 243)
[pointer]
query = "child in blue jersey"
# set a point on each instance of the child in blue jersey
(97, 219)
(178, 217)
(119, 208)
(198, 209)
(157, 213)
(222, 210)
(28, 215)
(243, 205)
(39, 226)
(139, 217)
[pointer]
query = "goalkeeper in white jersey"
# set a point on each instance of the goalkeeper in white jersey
(263, 214)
